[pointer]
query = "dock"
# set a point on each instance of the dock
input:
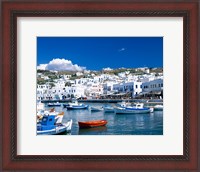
(153, 101)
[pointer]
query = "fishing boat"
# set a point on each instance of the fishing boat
(96, 108)
(109, 109)
(40, 114)
(54, 104)
(137, 108)
(75, 105)
(123, 104)
(73, 102)
(52, 125)
(47, 112)
(91, 124)
(158, 108)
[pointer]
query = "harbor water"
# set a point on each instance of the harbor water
(118, 124)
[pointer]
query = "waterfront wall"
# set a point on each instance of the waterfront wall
(106, 100)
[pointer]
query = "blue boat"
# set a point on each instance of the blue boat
(75, 105)
(51, 125)
(137, 108)
(80, 106)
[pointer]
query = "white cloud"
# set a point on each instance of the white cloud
(122, 49)
(62, 65)
(42, 66)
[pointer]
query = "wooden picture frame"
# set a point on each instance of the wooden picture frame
(11, 10)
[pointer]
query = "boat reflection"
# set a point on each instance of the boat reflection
(92, 131)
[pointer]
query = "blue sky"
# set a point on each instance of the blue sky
(96, 53)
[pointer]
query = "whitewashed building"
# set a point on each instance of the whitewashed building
(153, 86)
(43, 91)
(134, 87)
(95, 90)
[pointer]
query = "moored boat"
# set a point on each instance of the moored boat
(75, 105)
(91, 124)
(137, 108)
(54, 104)
(158, 107)
(109, 109)
(51, 125)
(123, 104)
(48, 112)
(40, 114)
(96, 108)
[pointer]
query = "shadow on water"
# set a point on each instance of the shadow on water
(92, 131)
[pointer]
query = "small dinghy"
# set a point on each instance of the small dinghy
(109, 109)
(96, 108)
(91, 124)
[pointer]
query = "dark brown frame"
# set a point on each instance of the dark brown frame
(181, 8)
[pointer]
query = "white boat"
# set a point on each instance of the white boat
(109, 109)
(54, 104)
(96, 108)
(52, 111)
(47, 112)
(75, 105)
(123, 104)
(158, 107)
(137, 108)
(50, 125)
(74, 102)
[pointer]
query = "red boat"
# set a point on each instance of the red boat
(91, 124)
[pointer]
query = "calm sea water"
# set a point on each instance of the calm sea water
(118, 124)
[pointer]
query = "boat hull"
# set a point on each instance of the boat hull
(59, 129)
(76, 107)
(109, 110)
(53, 105)
(53, 131)
(132, 111)
(92, 124)
(158, 108)
(96, 109)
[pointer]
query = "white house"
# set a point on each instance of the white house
(94, 90)
(153, 86)
(43, 91)
(108, 87)
(75, 91)
(134, 87)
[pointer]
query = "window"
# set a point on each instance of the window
(135, 86)
(44, 119)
